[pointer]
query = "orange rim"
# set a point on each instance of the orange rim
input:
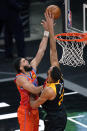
(82, 35)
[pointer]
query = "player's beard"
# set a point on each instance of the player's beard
(27, 68)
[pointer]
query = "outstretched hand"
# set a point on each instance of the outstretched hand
(49, 19)
(49, 22)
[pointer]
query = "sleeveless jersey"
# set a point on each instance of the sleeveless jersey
(57, 103)
(25, 98)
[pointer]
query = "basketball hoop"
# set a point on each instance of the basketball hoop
(72, 45)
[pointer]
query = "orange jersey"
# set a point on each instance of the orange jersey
(28, 118)
(25, 98)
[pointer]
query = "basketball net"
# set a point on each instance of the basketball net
(72, 45)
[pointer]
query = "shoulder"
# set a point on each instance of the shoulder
(49, 92)
(21, 76)
(20, 79)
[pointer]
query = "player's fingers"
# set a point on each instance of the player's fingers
(48, 13)
(43, 21)
(52, 15)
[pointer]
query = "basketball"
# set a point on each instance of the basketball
(55, 10)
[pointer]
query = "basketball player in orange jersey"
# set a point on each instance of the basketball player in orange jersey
(26, 81)
(51, 97)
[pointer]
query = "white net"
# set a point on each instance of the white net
(72, 46)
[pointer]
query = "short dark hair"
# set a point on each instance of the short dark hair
(17, 64)
(56, 74)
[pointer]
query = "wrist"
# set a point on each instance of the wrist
(46, 33)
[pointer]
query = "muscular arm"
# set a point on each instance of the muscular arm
(27, 85)
(53, 50)
(42, 47)
(35, 62)
(47, 94)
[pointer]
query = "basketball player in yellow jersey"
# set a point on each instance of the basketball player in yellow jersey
(51, 97)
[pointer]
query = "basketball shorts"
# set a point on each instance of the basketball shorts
(55, 121)
(28, 121)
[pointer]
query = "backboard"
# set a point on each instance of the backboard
(76, 16)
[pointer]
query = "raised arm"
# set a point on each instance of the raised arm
(42, 47)
(53, 50)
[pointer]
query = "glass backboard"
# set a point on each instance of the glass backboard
(75, 15)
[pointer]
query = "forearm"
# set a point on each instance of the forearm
(43, 44)
(32, 89)
(53, 50)
(42, 99)
(52, 39)
(35, 62)
(38, 90)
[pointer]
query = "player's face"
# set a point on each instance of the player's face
(24, 62)
(24, 65)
